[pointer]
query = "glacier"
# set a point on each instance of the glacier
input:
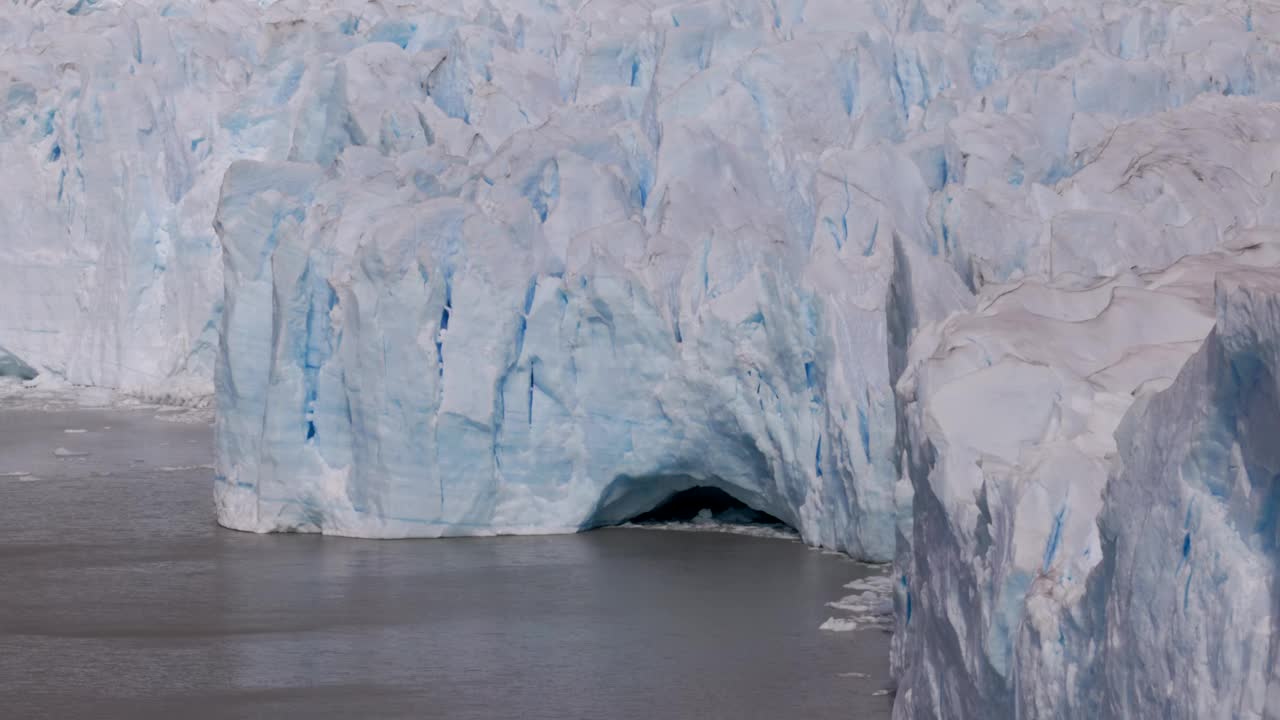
(13, 366)
(109, 270)
(576, 307)
(1043, 427)
(985, 289)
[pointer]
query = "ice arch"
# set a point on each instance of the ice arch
(679, 499)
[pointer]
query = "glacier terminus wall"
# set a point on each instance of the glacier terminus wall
(537, 272)
(985, 289)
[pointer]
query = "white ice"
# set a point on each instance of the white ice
(1049, 429)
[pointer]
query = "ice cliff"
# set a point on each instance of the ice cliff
(109, 269)
(1040, 576)
(536, 274)
(1191, 623)
(532, 271)
(982, 287)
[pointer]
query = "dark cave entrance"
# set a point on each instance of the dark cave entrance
(683, 502)
(705, 504)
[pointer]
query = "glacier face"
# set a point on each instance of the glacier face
(1045, 427)
(109, 270)
(547, 267)
(1190, 518)
(435, 367)
(585, 284)
(517, 266)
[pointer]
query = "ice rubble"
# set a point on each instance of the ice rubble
(524, 266)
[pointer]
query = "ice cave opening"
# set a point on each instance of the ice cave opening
(705, 503)
(681, 502)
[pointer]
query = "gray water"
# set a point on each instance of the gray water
(120, 598)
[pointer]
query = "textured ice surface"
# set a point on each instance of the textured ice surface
(522, 266)
(1190, 524)
(602, 270)
(109, 269)
(533, 270)
(1018, 578)
(434, 368)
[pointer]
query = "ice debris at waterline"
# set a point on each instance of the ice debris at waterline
(704, 522)
(702, 509)
(529, 267)
(870, 606)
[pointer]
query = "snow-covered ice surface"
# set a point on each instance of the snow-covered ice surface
(51, 393)
(516, 266)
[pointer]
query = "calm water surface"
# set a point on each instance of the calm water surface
(120, 598)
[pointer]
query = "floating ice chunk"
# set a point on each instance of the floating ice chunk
(834, 624)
